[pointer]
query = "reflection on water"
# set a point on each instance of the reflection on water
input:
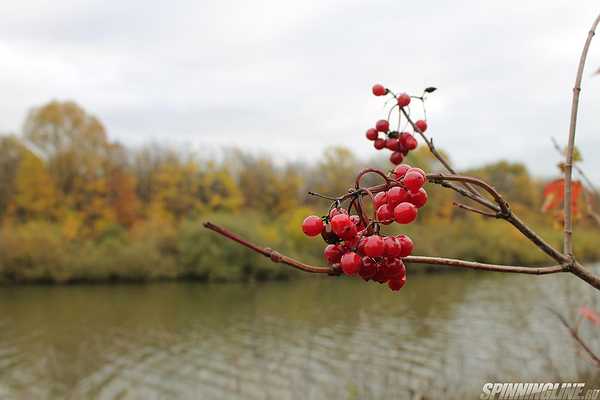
(316, 338)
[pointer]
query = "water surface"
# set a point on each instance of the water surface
(443, 336)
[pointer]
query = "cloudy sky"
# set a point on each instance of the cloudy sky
(292, 77)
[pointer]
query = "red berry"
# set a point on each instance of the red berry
(397, 283)
(392, 144)
(368, 268)
(360, 247)
(403, 100)
(419, 170)
(393, 247)
(405, 213)
(312, 225)
(333, 253)
(396, 158)
(379, 90)
(356, 221)
(350, 263)
(381, 275)
(379, 144)
(407, 245)
(419, 199)
(395, 196)
(379, 199)
(372, 134)
(349, 233)
(385, 214)
(408, 141)
(400, 170)
(339, 223)
(395, 268)
(413, 180)
(421, 125)
(382, 125)
(337, 211)
(374, 246)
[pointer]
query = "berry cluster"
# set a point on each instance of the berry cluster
(355, 244)
(399, 143)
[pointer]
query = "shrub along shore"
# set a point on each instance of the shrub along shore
(78, 207)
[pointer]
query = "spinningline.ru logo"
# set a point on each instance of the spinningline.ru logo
(542, 391)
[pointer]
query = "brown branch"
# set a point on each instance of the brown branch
(568, 229)
(268, 252)
(435, 153)
(279, 258)
(504, 212)
(475, 210)
(575, 335)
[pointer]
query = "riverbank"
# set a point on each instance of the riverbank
(39, 253)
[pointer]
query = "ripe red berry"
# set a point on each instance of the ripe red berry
(356, 221)
(408, 141)
(421, 125)
(395, 268)
(312, 225)
(372, 134)
(333, 253)
(400, 170)
(382, 125)
(413, 180)
(419, 170)
(419, 199)
(368, 268)
(379, 143)
(393, 247)
(397, 283)
(339, 223)
(396, 158)
(350, 263)
(349, 234)
(337, 211)
(385, 214)
(395, 196)
(379, 199)
(392, 144)
(374, 246)
(360, 247)
(379, 90)
(407, 245)
(403, 100)
(381, 274)
(405, 213)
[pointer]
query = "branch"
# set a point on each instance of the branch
(503, 211)
(268, 252)
(568, 229)
(334, 270)
(435, 153)
(575, 335)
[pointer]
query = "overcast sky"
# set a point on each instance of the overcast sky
(292, 77)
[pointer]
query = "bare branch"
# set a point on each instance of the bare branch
(568, 229)
(575, 335)
(475, 210)
(267, 252)
(279, 258)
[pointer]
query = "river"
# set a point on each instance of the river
(442, 336)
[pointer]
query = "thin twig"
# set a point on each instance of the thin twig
(279, 258)
(568, 228)
(595, 359)
(475, 210)
(268, 252)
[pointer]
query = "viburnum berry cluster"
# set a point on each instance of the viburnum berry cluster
(355, 244)
(399, 143)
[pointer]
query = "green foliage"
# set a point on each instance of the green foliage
(75, 206)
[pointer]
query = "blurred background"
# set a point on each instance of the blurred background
(123, 127)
